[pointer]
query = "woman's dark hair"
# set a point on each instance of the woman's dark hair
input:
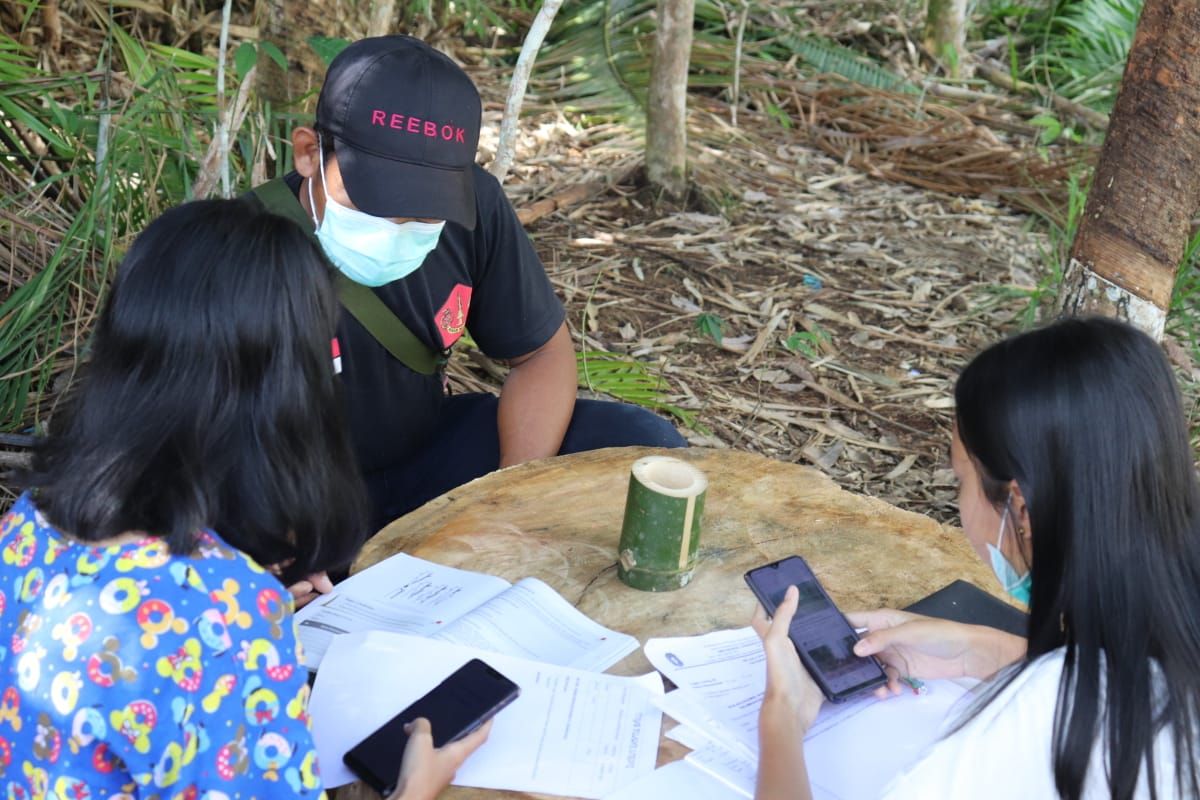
(1085, 416)
(210, 399)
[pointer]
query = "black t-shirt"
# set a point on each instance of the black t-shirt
(488, 281)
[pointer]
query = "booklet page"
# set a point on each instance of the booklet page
(573, 733)
(401, 594)
(852, 749)
(533, 621)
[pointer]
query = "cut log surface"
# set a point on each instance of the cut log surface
(559, 520)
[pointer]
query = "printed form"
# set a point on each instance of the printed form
(404, 594)
(570, 732)
(852, 749)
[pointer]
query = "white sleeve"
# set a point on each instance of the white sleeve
(1003, 752)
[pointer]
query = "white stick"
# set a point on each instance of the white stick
(206, 178)
(222, 117)
(737, 65)
(516, 90)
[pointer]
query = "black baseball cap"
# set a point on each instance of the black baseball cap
(405, 125)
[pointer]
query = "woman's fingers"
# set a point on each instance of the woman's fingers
(782, 620)
(419, 727)
(881, 618)
(469, 743)
(876, 641)
(321, 583)
(760, 621)
(776, 627)
(893, 683)
(300, 589)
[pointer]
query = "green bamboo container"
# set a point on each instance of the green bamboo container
(660, 536)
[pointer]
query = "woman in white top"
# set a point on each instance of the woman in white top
(1077, 484)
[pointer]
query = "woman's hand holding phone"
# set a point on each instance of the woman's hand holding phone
(911, 645)
(426, 770)
(791, 691)
(790, 704)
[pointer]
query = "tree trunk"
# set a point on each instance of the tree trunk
(946, 32)
(1136, 222)
(274, 22)
(383, 16)
(666, 118)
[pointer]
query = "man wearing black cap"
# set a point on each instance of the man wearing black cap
(388, 180)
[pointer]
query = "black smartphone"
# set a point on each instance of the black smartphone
(473, 694)
(822, 636)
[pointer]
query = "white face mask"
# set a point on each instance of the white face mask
(1018, 586)
(366, 249)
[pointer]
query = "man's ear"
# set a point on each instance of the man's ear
(305, 152)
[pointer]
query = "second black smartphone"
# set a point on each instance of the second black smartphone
(472, 695)
(822, 636)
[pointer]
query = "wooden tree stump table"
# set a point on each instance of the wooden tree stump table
(559, 520)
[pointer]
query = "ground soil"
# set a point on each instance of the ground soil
(881, 289)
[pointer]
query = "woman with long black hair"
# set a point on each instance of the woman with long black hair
(1077, 484)
(144, 648)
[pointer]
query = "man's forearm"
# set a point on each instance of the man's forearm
(537, 401)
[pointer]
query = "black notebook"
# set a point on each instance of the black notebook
(962, 601)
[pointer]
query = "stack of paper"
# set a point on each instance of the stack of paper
(391, 633)
(409, 595)
(851, 751)
(569, 733)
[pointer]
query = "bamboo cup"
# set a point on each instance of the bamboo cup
(660, 536)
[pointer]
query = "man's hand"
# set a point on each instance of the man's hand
(537, 401)
(425, 770)
(305, 591)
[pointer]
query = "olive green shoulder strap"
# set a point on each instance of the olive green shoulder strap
(386, 327)
(362, 303)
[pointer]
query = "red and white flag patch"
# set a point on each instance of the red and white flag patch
(451, 318)
(337, 357)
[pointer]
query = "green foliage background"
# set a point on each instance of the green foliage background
(91, 152)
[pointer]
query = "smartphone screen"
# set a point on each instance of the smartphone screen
(823, 637)
(471, 696)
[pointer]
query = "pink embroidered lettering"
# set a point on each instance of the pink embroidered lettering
(446, 132)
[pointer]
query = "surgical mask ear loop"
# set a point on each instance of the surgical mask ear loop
(312, 205)
(1004, 519)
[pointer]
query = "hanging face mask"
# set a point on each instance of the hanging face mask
(1017, 585)
(366, 249)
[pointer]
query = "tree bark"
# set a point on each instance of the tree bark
(1146, 188)
(383, 16)
(273, 84)
(666, 117)
(507, 144)
(946, 32)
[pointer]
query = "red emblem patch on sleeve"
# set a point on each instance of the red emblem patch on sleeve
(451, 318)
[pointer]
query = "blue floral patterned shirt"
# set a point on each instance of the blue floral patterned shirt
(127, 672)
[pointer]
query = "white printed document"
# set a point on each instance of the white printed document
(570, 732)
(409, 595)
(852, 750)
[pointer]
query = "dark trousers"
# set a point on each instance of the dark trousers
(466, 445)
